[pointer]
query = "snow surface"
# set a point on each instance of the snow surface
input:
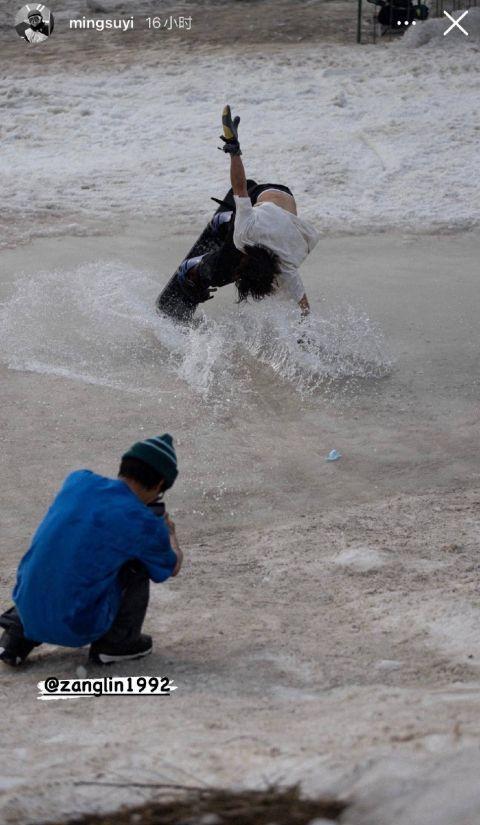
(360, 559)
(365, 671)
(377, 137)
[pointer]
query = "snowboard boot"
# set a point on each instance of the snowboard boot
(14, 649)
(102, 653)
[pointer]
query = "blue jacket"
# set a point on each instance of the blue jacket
(67, 590)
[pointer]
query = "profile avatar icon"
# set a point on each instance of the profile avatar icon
(34, 23)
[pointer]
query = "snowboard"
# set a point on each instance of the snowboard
(174, 301)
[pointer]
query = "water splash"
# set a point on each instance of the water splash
(317, 352)
(97, 323)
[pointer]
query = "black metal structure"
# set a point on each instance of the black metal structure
(391, 18)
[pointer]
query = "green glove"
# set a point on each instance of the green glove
(230, 133)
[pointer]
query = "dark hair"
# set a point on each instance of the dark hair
(257, 273)
(137, 470)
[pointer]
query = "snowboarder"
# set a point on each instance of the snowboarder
(255, 240)
(85, 579)
(266, 220)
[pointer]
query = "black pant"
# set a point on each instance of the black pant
(254, 192)
(127, 625)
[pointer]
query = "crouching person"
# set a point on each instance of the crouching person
(85, 579)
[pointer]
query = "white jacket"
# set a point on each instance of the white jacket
(290, 237)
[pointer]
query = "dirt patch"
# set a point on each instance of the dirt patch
(219, 807)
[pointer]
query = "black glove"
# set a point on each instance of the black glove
(230, 133)
(198, 290)
(207, 294)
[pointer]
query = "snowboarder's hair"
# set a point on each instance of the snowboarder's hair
(138, 470)
(257, 273)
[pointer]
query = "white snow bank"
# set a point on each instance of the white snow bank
(433, 31)
(362, 559)
(403, 791)
(456, 632)
(369, 138)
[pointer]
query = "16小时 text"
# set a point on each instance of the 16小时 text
(123, 24)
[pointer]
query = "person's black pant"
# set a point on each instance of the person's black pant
(127, 626)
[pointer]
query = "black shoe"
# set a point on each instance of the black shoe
(14, 649)
(105, 654)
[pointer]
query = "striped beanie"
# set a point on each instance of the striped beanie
(159, 453)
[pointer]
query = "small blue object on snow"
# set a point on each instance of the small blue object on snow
(333, 455)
